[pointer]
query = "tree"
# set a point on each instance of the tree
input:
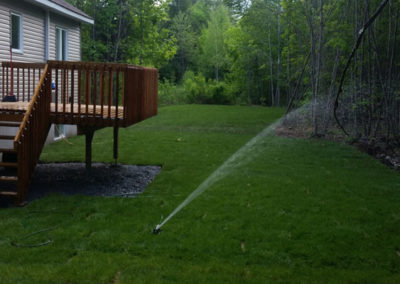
(214, 56)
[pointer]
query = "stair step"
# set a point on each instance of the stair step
(6, 137)
(15, 117)
(8, 178)
(10, 124)
(8, 150)
(9, 193)
(8, 165)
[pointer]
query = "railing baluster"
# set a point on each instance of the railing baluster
(17, 84)
(29, 85)
(79, 94)
(110, 87)
(72, 90)
(87, 92)
(33, 84)
(23, 83)
(123, 93)
(64, 92)
(94, 91)
(7, 82)
(116, 97)
(102, 94)
(2, 77)
(56, 93)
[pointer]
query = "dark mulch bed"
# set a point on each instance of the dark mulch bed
(101, 180)
(388, 152)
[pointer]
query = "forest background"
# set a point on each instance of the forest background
(289, 53)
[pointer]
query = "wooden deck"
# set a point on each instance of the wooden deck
(89, 95)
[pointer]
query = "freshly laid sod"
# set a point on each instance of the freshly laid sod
(300, 211)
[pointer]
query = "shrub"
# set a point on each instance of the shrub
(170, 94)
(201, 91)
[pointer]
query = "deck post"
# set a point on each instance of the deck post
(115, 144)
(89, 132)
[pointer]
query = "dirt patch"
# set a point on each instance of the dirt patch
(101, 180)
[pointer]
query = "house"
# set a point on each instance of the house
(41, 30)
(53, 88)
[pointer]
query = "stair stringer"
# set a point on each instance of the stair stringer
(32, 134)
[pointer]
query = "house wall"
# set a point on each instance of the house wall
(33, 26)
(33, 31)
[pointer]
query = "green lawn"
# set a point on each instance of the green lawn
(301, 211)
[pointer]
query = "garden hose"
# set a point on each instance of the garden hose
(48, 241)
(19, 241)
(61, 135)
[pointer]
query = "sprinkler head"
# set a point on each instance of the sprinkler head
(157, 230)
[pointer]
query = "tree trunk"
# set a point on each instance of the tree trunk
(278, 68)
(119, 32)
(271, 78)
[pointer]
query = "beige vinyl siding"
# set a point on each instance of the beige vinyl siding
(32, 31)
(32, 20)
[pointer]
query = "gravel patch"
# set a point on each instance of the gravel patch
(101, 180)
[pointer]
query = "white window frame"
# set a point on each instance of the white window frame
(21, 32)
(66, 42)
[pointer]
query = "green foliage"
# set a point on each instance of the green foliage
(170, 94)
(126, 30)
(200, 90)
(213, 59)
(196, 88)
(153, 44)
(262, 52)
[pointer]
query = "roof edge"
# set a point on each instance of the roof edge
(62, 10)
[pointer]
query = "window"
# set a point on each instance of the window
(16, 32)
(61, 44)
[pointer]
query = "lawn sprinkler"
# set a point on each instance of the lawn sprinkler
(157, 229)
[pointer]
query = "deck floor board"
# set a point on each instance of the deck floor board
(92, 110)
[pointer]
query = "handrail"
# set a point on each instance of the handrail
(87, 65)
(22, 64)
(30, 108)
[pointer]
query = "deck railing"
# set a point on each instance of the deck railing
(20, 79)
(32, 132)
(102, 93)
(141, 91)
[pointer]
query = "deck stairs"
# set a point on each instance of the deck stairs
(9, 162)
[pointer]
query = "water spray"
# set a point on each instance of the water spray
(240, 157)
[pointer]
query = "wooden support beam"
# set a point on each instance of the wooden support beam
(115, 144)
(89, 133)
